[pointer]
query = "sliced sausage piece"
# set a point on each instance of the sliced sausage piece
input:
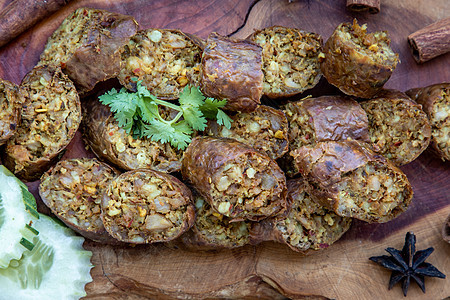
(51, 115)
(232, 69)
(165, 60)
(353, 181)
(110, 142)
(398, 127)
(235, 179)
(308, 226)
(87, 44)
(290, 60)
(357, 62)
(72, 189)
(145, 206)
(213, 230)
(265, 129)
(435, 101)
(326, 118)
(11, 100)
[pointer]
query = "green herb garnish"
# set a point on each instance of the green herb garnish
(137, 113)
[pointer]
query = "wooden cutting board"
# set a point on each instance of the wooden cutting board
(269, 270)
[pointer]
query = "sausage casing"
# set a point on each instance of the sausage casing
(87, 44)
(435, 100)
(353, 181)
(235, 179)
(232, 69)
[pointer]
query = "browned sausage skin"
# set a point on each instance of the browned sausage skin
(213, 230)
(290, 60)
(166, 60)
(308, 226)
(87, 44)
(326, 118)
(265, 129)
(51, 115)
(11, 100)
(353, 181)
(232, 69)
(357, 62)
(235, 179)
(398, 128)
(435, 100)
(110, 142)
(72, 189)
(145, 206)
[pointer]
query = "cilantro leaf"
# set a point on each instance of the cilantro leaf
(191, 97)
(177, 136)
(223, 119)
(138, 114)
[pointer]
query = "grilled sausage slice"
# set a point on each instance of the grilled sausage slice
(357, 62)
(50, 117)
(110, 142)
(435, 100)
(235, 179)
(290, 60)
(212, 230)
(308, 226)
(165, 60)
(353, 181)
(398, 127)
(11, 100)
(232, 69)
(326, 118)
(265, 129)
(145, 206)
(87, 44)
(72, 189)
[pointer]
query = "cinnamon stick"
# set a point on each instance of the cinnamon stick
(373, 6)
(431, 41)
(20, 15)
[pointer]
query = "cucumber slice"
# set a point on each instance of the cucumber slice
(57, 268)
(17, 213)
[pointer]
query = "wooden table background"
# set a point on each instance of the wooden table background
(271, 271)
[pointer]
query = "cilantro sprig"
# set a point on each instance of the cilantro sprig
(138, 114)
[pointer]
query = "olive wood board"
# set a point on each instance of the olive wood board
(270, 270)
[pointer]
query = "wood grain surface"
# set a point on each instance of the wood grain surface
(269, 270)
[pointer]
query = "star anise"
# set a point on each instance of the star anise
(407, 264)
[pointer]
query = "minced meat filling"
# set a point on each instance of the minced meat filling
(371, 192)
(166, 61)
(374, 45)
(247, 184)
(218, 229)
(142, 153)
(262, 129)
(440, 122)
(8, 106)
(290, 59)
(397, 129)
(73, 191)
(72, 34)
(50, 116)
(311, 226)
(301, 132)
(142, 208)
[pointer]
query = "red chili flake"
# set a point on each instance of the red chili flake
(111, 133)
(307, 136)
(398, 143)
(137, 70)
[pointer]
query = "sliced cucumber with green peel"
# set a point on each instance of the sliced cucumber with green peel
(56, 268)
(17, 214)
